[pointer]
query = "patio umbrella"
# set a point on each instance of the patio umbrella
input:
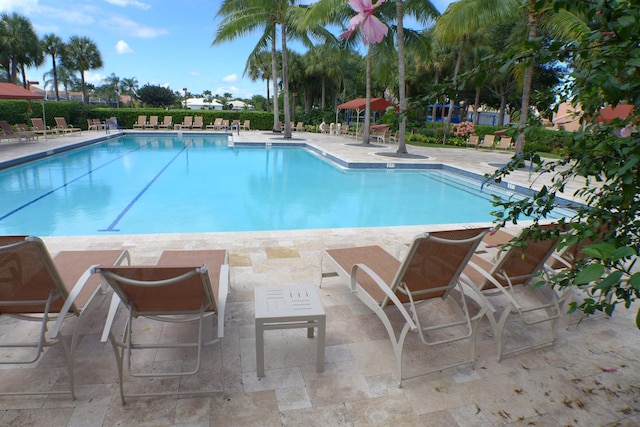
(11, 91)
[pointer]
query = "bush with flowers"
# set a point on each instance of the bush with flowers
(463, 129)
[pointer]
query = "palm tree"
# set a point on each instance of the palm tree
(242, 17)
(113, 83)
(20, 46)
(423, 11)
(466, 16)
(82, 55)
(130, 87)
(259, 67)
(54, 46)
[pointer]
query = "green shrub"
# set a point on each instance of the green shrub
(260, 120)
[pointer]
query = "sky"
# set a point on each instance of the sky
(159, 42)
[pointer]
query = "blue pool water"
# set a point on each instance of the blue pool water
(171, 184)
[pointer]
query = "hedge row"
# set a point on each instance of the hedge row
(76, 114)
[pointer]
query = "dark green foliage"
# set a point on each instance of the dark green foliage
(156, 96)
(17, 111)
(604, 63)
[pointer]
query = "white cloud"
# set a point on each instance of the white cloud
(194, 73)
(235, 91)
(94, 78)
(134, 3)
(15, 5)
(123, 48)
(231, 78)
(128, 27)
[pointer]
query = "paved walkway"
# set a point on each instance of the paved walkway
(590, 377)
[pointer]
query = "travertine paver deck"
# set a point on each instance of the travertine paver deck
(590, 378)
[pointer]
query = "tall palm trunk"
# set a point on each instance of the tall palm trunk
(55, 77)
(456, 71)
(274, 72)
(526, 84)
(476, 106)
(285, 80)
(268, 96)
(402, 147)
(84, 88)
(24, 76)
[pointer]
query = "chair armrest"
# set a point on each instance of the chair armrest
(223, 292)
(75, 291)
(383, 286)
(493, 281)
(111, 315)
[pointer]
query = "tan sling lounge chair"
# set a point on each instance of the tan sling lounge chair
(474, 140)
(34, 287)
(187, 122)
(510, 278)
(246, 125)
(8, 132)
(188, 287)
(216, 125)
(142, 121)
(197, 123)
(167, 122)
(428, 272)
(504, 143)
(62, 126)
(40, 127)
(153, 123)
(487, 141)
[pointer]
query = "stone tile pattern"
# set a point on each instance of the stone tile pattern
(590, 377)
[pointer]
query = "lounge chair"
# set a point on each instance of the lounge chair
(246, 125)
(504, 143)
(94, 124)
(40, 127)
(429, 271)
(384, 137)
(487, 141)
(187, 122)
(300, 127)
(142, 121)
(153, 123)
(510, 277)
(216, 125)
(34, 287)
(393, 139)
(197, 123)
(9, 133)
(62, 126)
(474, 140)
(167, 123)
(225, 124)
(183, 287)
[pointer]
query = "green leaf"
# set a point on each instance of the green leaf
(634, 281)
(609, 281)
(623, 252)
(589, 274)
(600, 250)
(638, 319)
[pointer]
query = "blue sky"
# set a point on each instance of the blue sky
(163, 42)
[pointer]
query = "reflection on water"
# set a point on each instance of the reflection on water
(164, 184)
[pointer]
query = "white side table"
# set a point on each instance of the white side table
(285, 307)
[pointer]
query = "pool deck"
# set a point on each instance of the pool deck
(590, 377)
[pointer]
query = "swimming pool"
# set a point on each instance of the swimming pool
(184, 184)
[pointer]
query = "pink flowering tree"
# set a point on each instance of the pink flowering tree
(372, 30)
